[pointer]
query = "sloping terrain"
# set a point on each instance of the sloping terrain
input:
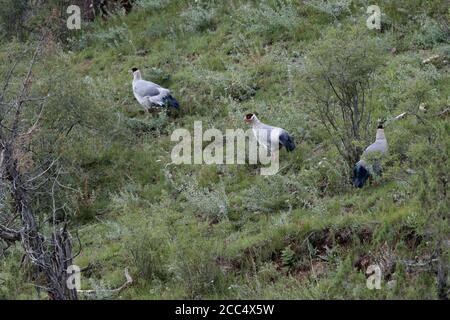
(225, 231)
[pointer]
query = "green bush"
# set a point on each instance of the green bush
(12, 16)
(429, 33)
(340, 70)
(198, 18)
(157, 125)
(149, 252)
(275, 193)
(335, 8)
(329, 176)
(269, 21)
(209, 204)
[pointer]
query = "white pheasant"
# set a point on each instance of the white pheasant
(362, 171)
(270, 137)
(150, 94)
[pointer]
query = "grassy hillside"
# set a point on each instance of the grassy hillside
(225, 231)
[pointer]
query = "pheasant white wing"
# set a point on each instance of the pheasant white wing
(377, 146)
(146, 88)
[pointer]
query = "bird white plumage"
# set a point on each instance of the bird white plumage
(363, 170)
(269, 136)
(150, 94)
(380, 144)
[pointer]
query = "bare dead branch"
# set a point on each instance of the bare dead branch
(126, 284)
(52, 254)
(8, 234)
(43, 172)
(7, 80)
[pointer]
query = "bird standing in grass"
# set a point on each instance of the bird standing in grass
(362, 171)
(150, 94)
(272, 138)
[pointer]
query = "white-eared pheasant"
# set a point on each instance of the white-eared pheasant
(272, 138)
(362, 171)
(150, 94)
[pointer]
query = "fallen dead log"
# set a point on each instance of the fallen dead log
(127, 283)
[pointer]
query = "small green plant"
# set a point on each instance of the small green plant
(149, 254)
(274, 193)
(156, 125)
(211, 204)
(266, 20)
(335, 8)
(112, 37)
(198, 18)
(152, 4)
(287, 257)
(429, 33)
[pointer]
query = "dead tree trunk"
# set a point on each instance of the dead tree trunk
(442, 275)
(51, 254)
